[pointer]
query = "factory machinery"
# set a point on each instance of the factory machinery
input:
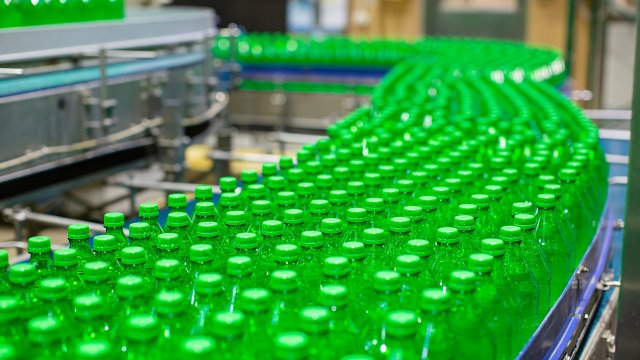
(79, 108)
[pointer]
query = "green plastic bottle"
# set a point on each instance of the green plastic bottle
(198, 348)
(97, 280)
(261, 211)
(228, 330)
(467, 322)
(168, 247)
(209, 233)
(178, 223)
(287, 300)
(306, 192)
(53, 295)
(13, 328)
(91, 318)
(169, 275)
(373, 183)
(149, 213)
(133, 298)
(325, 183)
(140, 236)
(39, 249)
(141, 334)
(357, 192)
(331, 229)
(336, 299)
(285, 200)
(135, 262)
(375, 241)
(278, 194)
(209, 299)
(339, 200)
(376, 214)
(401, 330)
(435, 335)
(409, 267)
(171, 309)
(46, 339)
(79, 236)
(65, 265)
(291, 345)
(204, 212)
(93, 350)
(314, 322)
(23, 279)
(255, 192)
(236, 222)
(399, 233)
(310, 264)
(356, 252)
(469, 241)
(484, 230)
(425, 250)
(228, 202)
(319, 210)
(294, 225)
(250, 245)
(285, 256)
(228, 184)
(416, 215)
(448, 254)
(114, 225)
(391, 197)
(255, 303)
(385, 298)
(240, 271)
(335, 270)
(177, 203)
(104, 249)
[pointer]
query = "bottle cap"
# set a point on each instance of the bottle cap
(374, 204)
(254, 191)
(229, 200)
(464, 223)
(205, 208)
(139, 230)
(441, 192)
(372, 179)
(142, 327)
(261, 207)
(169, 302)
(568, 175)
(227, 324)
(147, 210)
(353, 250)
(400, 224)
(406, 186)
(239, 266)
(286, 253)
(203, 193)
(341, 173)
(386, 281)
(52, 288)
(62, 257)
(201, 253)
(462, 280)
(427, 202)
(169, 241)
(523, 207)
(8, 352)
(319, 206)
(246, 241)
(338, 197)
(44, 329)
(419, 247)
(306, 189)
(480, 263)
(493, 247)
(408, 264)
(209, 283)
(23, 274)
(96, 271)
(286, 198)
(286, 162)
(198, 347)
(206, 229)
(324, 181)
(331, 226)
(525, 221)
(293, 216)
(544, 179)
(374, 236)
(276, 183)
(510, 233)
(312, 167)
(8, 308)
(480, 200)
(314, 320)
(39, 244)
(283, 280)
(113, 219)
(454, 184)
(269, 169)
(296, 175)
(104, 243)
(235, 218)
(133, 255)
(390, 195)
(531, 169)
(402, 323)
(272, 228)
(167, 269)
(177, 219)
(93, 349)
(78, 232)
(89, 306)
(255, 300)
(356, 188)
(447, 235)
(311, 238)
(553, 189)
(468, 209)
(493, 191)
(292, 345)
(333, 295)
(435, 300)
(228, 183)
(356, 165)
(248, 176)
(336, 266)
(130, 286)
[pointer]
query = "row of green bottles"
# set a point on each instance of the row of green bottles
(18, 13)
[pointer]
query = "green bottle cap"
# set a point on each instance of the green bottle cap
(147, 210)
(44, 329)
(390, 195)
(276, 183)
(480, 263)
(296, 175)
(254, 191)
(372, 179)
(206, 230)
(286, 253)
(198, 347)
(228, 183)
(493, 191)
(441, 192)
(406, 186)
(311, 239)
(480, 200)
(227, 324)
(209, 283)
(235, 218)
(332, 295)
(78, 232)
(336, 266)
(510, 233)
(356, 165)
(239, 265)
(553, 189)
(169, 241)
(8, 308)
(341, 173)
(464, 223)
(568, 175)
(306, 189)
(324, 181)
(319, 206)
(169, 302)
(374, 204)
(291, 345)
(400, 224)
(39, 244)
(96, 271)
(546, 201)
(447, 235)
(313, 167)
(338, 197)
(493, 247)
(413, 212)
(293, 216)
(229, 200)
(203, 193)
(139, 230)
(248, 176)
(130, 286)
(283, 280)
(8, 352)
(314, 320)
(408, 264)
(52, 289)
(286, 198)
(435, 300)
(374, 236)
(246, 241)
(419, 247)
(104, 243)
(255, 300)
(205, 208)
(286, 162)
(525, 221)
(543, 180)
(201, 253)
(113, 219)
(532, 169)
(330, 226)
(23, 274)
(402, 323)
(356, 188)
(524, 207)
(419, 177)
(261, 207)
(454, 184)
(61, 257)
(93, 349)
(462, 280)
(142, 327)
(167, 269)
(386, 281)
(468, 209)
(89, 306)
(272, 228)
(133, 255)
(269, 169)
(177, 219)
(427, 202)
(353, 250)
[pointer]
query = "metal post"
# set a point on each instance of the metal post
(627, 339)
(171, 131)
